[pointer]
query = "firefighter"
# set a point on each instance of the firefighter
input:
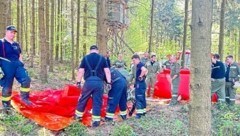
(94, 68)
(153, 68)
(140, 86)
(175, 79)
(117, 95)
(13, 67)
(232, 75)
(218, 78)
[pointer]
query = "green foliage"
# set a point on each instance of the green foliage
(16, 123)
(123, 130)
(226, 121)
(76, 129)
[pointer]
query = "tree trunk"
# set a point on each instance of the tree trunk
(52, 36)
(72, 45)
(32, 40)
(151, 29)
(4, 16)
(21, 26)
(85, 29)
(200, 104)
(238, 45)
(101, 26)
(18, 21)
(221, 33)
(185, 34)
(78, 33)
(47, 29)
(58, 31)
(42, 41)
(26, 26)
(61, 32)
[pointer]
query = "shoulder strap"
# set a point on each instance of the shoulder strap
(93, 71)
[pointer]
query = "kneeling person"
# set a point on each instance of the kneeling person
(117, 95)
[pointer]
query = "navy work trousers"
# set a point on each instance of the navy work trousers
(117, 96)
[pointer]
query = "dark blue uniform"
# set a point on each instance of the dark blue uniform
(93, 65)
(13, 67)
(140, 88)
(117, 95)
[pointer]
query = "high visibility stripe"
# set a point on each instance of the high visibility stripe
(78, 113)
(232, 99)
(140, 111)
(95, 118)
(174, 95)
(144, 110)
(227, 97)
(123, 112)
(221, 99)
(6, 98)
(110, 115)
(24, 89)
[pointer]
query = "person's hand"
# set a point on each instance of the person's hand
(141, 78)
(108, 86)
(79, 85)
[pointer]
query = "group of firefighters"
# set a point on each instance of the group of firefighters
(98, 74)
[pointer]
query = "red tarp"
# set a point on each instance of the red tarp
(54, 109)
(163, 86)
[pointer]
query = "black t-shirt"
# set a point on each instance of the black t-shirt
(93, 59)
(138, 71)
(218, 70)
(10, 51)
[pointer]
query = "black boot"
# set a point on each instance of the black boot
(25, 98)
(174, 101)
(124, 117)
(95, 123)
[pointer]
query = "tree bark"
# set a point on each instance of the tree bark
(42, 41)
(101, 26)
(47, 29)
(20, 29)
(52, 36)
(5, 16)
(32, 41)
(239, 45)
(61, 33)
(78, 33)
(18, 21)
(200, 104)
(58, 31)
(185, 34)
(72, 45)
(26, 26)
(85, 28)
(151, 29)
(221, 33)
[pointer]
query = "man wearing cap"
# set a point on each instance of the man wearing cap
(94, 68)
(12, 66)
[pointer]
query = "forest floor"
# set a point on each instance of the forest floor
(160, 119)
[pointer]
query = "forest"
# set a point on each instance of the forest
(55, 35)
